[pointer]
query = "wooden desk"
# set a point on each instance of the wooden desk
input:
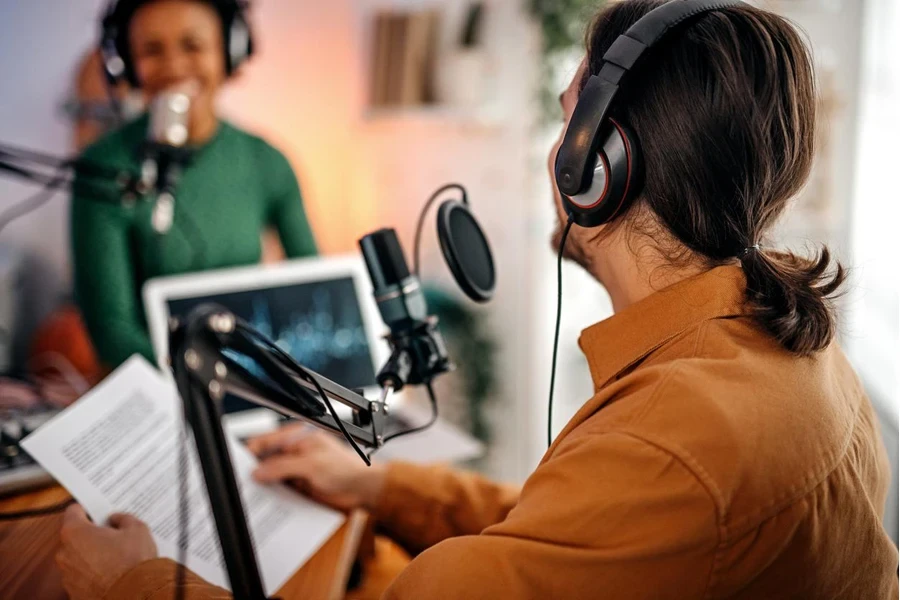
(28, 547)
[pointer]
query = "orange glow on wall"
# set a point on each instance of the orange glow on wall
(304, 92)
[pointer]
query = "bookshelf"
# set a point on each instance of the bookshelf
(435, 115)
(427, 64)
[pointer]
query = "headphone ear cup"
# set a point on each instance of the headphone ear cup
(626, 168)
(115, 65)
(238, 41)
(597, 190)
(614, 181)
(114, 51)
(112, 63)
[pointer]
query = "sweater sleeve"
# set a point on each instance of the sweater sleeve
(607, 516)
(156, 580)
(423, 505)
(105, 280)
(420, 506)
(286, 211)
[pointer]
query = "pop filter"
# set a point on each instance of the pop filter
(466, 250)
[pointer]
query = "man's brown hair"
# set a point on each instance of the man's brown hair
(725, 111)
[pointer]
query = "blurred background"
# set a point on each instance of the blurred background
(376, 103)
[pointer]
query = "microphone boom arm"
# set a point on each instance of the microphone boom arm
(210, 338)
(53, 172)
(202, 350)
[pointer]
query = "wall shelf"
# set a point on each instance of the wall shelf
(432, 115)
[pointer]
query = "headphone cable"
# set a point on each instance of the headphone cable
(432, 398)
(419, 225)
(559, 258)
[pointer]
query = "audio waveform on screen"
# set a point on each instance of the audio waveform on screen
(314, 337)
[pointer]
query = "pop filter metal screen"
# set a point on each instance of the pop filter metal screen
(466, 251)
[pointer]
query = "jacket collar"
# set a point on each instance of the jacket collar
(614, 344)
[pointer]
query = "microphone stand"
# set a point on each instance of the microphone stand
(55, 172)
(202, 350)
(162, 168)
(418, 355)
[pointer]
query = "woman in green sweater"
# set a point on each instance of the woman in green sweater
(235, 186)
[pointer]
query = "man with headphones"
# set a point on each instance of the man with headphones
(729, 450)
(233, 187)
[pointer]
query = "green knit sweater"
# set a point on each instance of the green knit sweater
(235, 186)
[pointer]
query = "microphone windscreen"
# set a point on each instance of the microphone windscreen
(466, 251)
(169, 114)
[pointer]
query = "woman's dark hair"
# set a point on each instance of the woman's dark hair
(125, 10)
(725, 112)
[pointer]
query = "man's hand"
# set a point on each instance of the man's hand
(318, 465)
(92, 557)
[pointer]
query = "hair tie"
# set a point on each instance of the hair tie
(746, 251)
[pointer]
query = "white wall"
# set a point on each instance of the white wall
(40, 45)
(873, 331)
(834, 29)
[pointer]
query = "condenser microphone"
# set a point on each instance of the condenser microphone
(396, 290)
(165, 154)
(418, 353)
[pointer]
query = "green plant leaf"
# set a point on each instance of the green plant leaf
(563, 24)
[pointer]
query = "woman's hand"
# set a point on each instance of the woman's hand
(317, 465)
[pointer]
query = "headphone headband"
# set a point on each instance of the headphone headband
(574, 164)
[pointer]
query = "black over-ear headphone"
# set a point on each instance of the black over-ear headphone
(116, 55)
(599, 165)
